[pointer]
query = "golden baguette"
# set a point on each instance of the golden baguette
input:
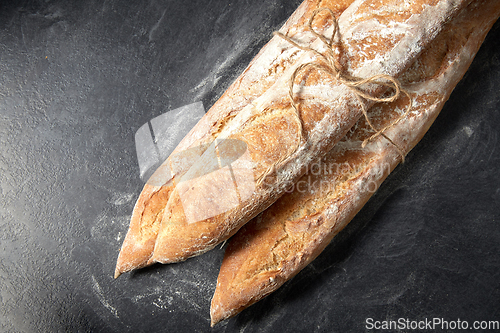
(376, 38)
(277, 244)
(261, 73)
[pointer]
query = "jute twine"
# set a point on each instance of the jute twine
(329, 65)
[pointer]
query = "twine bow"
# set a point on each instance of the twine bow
(330, 66)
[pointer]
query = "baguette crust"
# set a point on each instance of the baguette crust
(281, 241)
(261, 73)
(328, 110)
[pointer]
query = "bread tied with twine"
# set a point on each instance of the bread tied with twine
(329, 65)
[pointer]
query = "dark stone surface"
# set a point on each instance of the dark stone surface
(78, 78)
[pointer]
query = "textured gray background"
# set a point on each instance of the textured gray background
(78, 79)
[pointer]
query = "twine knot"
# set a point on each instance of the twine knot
(331, 66)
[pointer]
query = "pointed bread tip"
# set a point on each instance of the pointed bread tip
(216, 312)
(214, 320)
(117, 272)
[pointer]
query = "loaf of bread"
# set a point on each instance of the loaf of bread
(262, 72)
(282, 240)
(150, 213)
(266, 148)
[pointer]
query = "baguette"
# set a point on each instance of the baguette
(282, 240)
(262, 72)
(204, 210)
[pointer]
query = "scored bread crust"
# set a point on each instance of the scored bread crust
(376, 38)
(261, 73)
(281, 241)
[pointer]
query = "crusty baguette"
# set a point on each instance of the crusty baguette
(376, 38)
(261, 73)
(281, 241)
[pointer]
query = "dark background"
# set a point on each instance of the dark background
(78, 78)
